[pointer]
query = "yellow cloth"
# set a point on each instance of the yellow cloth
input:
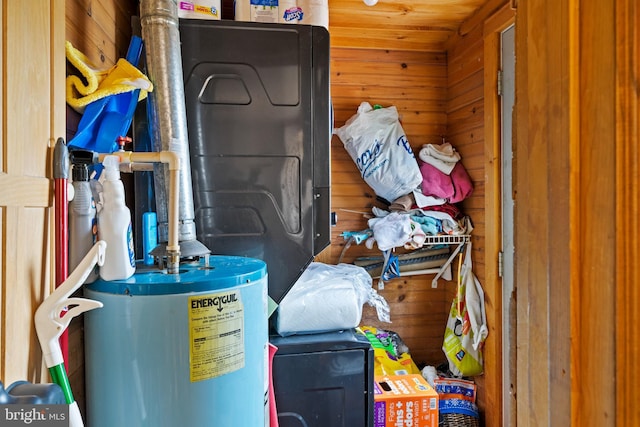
(96, 84)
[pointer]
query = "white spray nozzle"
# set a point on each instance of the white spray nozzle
(111, 167)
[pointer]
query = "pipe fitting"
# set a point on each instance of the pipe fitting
(129, 159)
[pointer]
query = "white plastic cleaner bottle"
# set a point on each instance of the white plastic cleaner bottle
(114, 225)
(83, 228)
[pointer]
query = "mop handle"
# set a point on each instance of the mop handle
(61, 211)
(60, 176)
(59, 376)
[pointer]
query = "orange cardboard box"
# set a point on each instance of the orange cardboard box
(404, 401)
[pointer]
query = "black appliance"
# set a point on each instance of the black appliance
(258, 117)
(323, 380)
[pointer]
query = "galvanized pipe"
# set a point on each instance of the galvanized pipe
(167, 111)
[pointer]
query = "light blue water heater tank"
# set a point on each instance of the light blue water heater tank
(188, 349)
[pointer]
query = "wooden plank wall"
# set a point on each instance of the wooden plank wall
(416, 83)
(100, 29)
(578, 295)
(465, 114)
(465, 131)
(419, 313)
(627, 246)
(581, 291)
(468, 86)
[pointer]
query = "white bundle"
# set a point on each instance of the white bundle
(328, 298)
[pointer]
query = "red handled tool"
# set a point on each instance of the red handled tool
(61, 176)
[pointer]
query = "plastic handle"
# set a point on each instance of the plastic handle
(75, 418)
(60, 160)
(49, 319)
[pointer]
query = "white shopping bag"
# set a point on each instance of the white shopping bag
(466, 328)
(379, 147)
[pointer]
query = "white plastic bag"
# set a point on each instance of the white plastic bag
(466, 328)
(328, 298)
(378, 145)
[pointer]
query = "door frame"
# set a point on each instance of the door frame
(492, 31)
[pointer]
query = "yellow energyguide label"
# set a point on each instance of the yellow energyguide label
(216, 335)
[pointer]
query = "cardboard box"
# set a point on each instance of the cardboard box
(199, 9)
(404, 401)
(307, 12)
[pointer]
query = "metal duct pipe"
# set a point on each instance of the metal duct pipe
(167, 117)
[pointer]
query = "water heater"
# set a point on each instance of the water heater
(187, 349)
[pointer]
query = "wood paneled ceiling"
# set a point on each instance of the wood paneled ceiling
(424, 25)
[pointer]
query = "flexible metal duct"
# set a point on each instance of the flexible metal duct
(167, 117)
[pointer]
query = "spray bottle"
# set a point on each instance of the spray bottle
(114, 225)
(83, 231)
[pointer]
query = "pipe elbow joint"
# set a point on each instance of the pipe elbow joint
(172, 158)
